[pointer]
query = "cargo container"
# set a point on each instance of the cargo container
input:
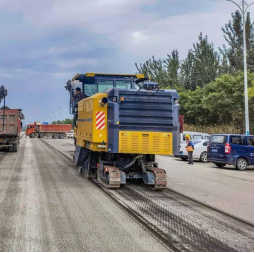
(55, 131)
(10, 128)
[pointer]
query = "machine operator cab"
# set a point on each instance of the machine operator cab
(92, 83)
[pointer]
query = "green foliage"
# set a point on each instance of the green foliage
(66, 121)
(251, 93)
(172, 64)
(233, 34)
(201, 65)
(164, 72)
(219, 102)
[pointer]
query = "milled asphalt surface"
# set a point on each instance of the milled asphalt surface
(227, 189)
(46, 206)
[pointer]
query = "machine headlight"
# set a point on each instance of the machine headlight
(104, 101)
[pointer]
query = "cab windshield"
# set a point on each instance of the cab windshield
(124, 84)
(91, 88)
(104, 84)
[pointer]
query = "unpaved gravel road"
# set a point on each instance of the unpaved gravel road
(46, 206)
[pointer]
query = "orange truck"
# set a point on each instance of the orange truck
(55, 131)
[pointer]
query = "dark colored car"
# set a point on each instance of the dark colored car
(234, 149)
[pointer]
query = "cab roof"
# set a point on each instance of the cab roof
(79, 77)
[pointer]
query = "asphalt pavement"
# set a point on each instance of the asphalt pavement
(45, 205)
(227, 189)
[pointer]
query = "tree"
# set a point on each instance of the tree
(233, 34)
(186, 73)
(201, 65)
(164, 72)
(66, 121)
(219, 102)
(155, 70)
(190, 107)
(172, 64)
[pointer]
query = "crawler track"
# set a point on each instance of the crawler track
(179, 222)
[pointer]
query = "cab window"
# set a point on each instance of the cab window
(104, 84)
(124, 84)
(90, 89)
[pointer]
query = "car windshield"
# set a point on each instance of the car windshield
(218, 139)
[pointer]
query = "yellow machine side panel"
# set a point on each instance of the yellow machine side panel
(134, 142)
(92, 122)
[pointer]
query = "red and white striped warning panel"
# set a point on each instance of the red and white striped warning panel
(100, 120)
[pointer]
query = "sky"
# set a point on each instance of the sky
(44, 43)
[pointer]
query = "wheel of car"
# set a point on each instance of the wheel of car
(241, 164)
(32, 135)
(203, 157)
(220, 165)
(184, 158)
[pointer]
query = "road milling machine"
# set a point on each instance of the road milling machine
(122, 124)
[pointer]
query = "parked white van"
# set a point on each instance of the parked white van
(195, 136)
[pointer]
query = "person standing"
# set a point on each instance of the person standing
(190, 148)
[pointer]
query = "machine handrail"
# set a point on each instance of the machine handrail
(3, 94)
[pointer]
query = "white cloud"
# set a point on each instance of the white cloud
(124, 23)
(62, 75)
(93, 15)
(175, 32)
(72, 63)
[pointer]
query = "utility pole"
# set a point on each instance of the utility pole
(243, 8)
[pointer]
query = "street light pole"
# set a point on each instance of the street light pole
(243, 10)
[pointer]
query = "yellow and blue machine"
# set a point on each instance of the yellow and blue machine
(123, 123)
